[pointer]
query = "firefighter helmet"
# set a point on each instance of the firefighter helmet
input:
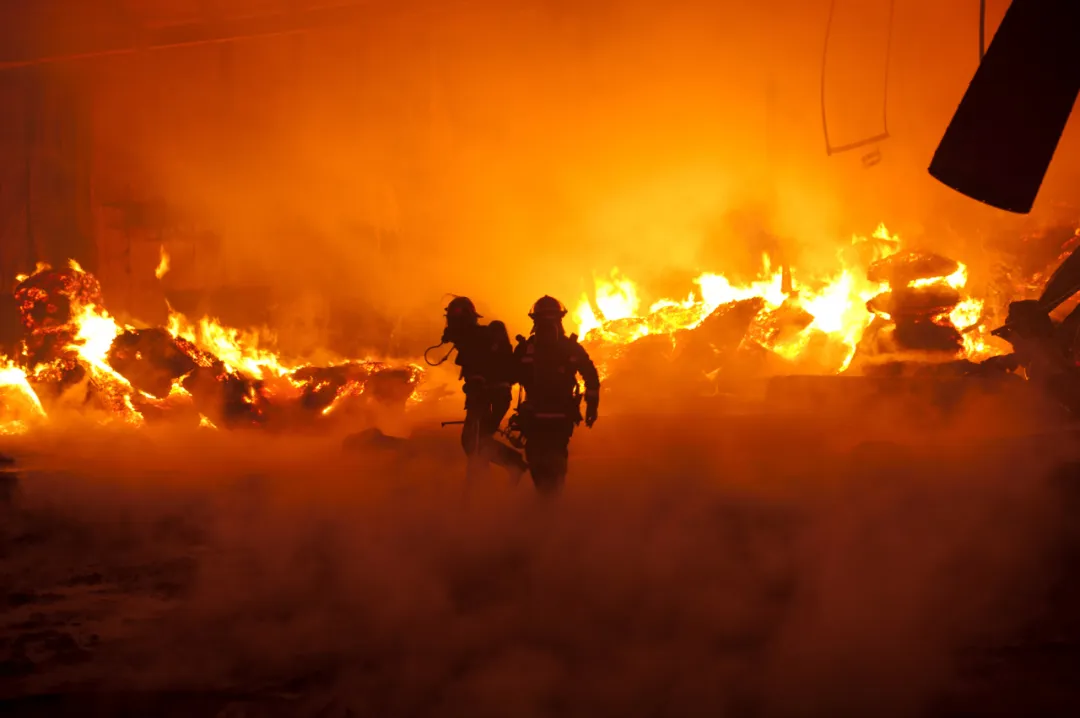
(547, 308)
(461, 308)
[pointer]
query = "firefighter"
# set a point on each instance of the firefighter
(547, 366)
(485, 355)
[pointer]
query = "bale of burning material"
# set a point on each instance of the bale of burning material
(749, 360)
(226, 397)
(819, 351)
(178, 411)
(151, 359)
(321, 385)
(50, 381)
(650, 353)
(47, 301)
(729, 323)
(644, 364)
(915, 302)
(336, 374)
(711, 344)
(392, 386)
(876, 340)
(667, 318)
(694, 352)
(900, 269)
(376, 384)
(783, 323)
(928, 336)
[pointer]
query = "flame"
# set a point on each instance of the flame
(349, 390)
(16, 393)
(76, 337)
(615, 299)
(163, 264)
(60, 347)
(38, 269)
(836, 305)
(966, 316)
(96, 331)
(956, 280)
(239, 350)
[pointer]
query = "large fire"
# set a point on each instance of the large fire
(882, 304)
(75, 352)
(817, 323)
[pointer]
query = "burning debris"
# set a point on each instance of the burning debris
(887, 310)
(917, 315)
(884, 306)
(48, 302)
(209, 375)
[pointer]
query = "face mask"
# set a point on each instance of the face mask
(453, 331)
(546, 331)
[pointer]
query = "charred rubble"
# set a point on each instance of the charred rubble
(170, 377)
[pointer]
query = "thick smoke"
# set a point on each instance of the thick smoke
(507, 150)
(702, 567)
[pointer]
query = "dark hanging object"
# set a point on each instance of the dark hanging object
(1003, 136)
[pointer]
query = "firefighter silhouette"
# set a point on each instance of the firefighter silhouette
(547, 366)
(485, 356)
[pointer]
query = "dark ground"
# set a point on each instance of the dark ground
(754, 566)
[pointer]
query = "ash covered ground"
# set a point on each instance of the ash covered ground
(759, 565)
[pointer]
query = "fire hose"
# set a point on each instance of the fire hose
(511, 435)
(445, 357)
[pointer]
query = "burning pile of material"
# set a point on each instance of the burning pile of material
(75, 352)
(922, 315)
(782, 324)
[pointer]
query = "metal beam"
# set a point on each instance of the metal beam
(81, 43)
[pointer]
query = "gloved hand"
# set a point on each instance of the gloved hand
(590, 415)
